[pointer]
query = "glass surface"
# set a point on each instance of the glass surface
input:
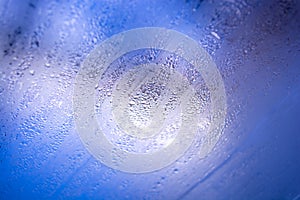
(255, 46)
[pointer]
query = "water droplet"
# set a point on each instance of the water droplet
(215, 35)
(32, 72)
(131, 102)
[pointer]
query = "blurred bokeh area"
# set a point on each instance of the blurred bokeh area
(255, 45)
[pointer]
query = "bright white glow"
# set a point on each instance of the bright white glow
(96, 64)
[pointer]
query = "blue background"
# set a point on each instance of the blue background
(256, 46)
